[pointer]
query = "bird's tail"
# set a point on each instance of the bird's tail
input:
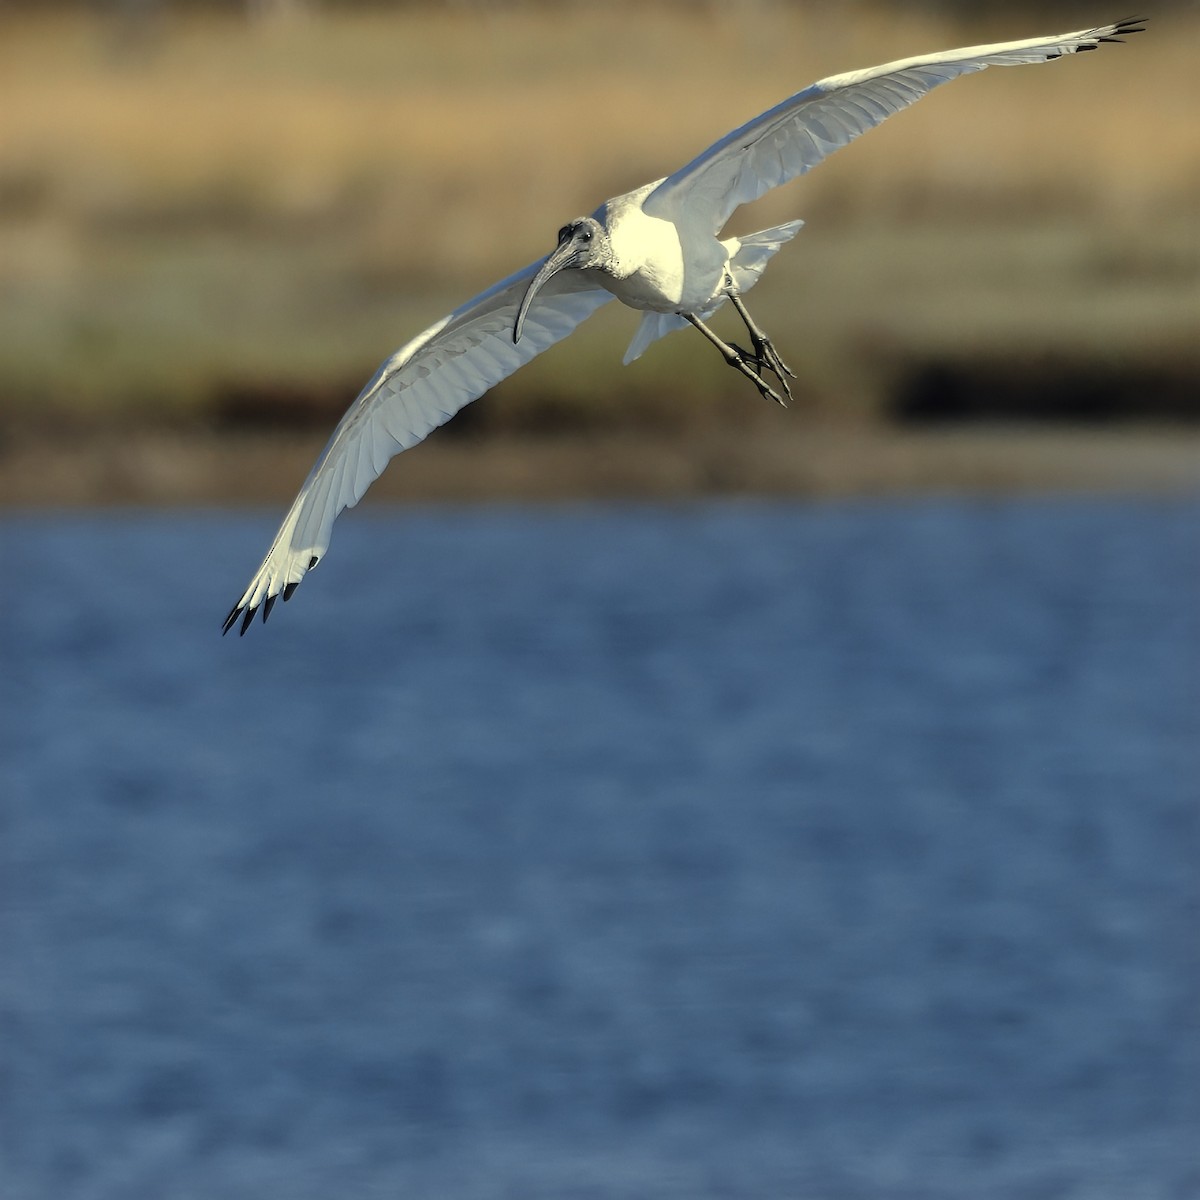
(747, 257)
(750, 254)
(654, 325)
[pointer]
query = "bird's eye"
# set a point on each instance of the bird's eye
(585, 235)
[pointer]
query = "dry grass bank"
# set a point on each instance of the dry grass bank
(225, 210)
(439, 116)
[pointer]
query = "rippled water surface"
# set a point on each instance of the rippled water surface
(743, 850)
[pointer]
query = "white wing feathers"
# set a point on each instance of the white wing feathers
(419, 388)
(456, 360)
(791, 138)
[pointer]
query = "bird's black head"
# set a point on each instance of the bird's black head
(582, 243)
(578, 231)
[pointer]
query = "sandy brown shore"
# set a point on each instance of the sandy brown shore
(177, 468)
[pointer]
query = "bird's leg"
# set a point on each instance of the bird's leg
(735, 356)
(764, 350)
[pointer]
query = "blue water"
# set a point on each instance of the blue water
(736, 850)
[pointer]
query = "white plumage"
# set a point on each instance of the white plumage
(656, 249)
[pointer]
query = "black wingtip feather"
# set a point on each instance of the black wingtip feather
(289, 589)
(247, 614)
(1126, 25)
(234, 613)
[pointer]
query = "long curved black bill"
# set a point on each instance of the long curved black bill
(562, 257)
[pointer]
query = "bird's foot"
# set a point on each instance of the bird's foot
(765, 357)
(750, 365)
(754, 366)
(769, 360)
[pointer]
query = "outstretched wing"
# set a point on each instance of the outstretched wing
(419, 388)
(791, 138)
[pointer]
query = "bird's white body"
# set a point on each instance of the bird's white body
(657, 249)
(648, 268)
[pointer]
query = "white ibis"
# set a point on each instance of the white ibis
(657, 249)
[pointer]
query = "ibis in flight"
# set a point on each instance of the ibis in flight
(657, 249)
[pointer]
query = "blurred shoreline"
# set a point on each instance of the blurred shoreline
(210, 234)
(138, 467)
